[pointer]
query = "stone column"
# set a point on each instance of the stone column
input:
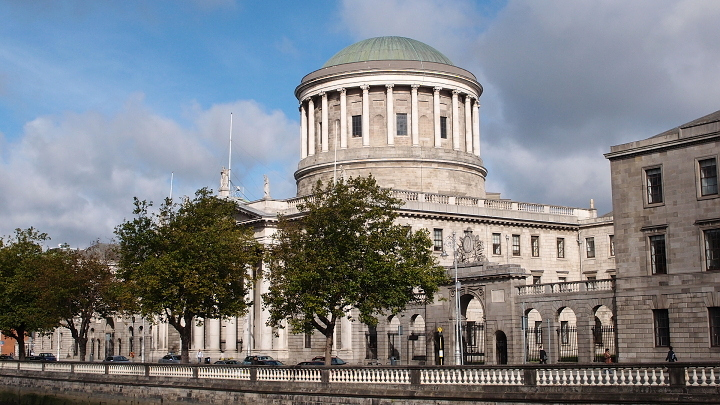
(311, 127)
(343, 118)
(476, 126)
(303, 132)
(550, 340)
(231, 336)
(414, 115)
(324, 122)
(213, 334)
(346, 336)
(390, 115)
(261, 328)
(365, 115)
(198, 335)
(436, 115)
(468, 125)
(455, 120)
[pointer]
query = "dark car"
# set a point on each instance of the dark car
(116, 359)
(42, 357)
(256, 360)
(270, 363)
(170, 358)
(227, 362)
(311, 363)
(6, 357)
(336, 361)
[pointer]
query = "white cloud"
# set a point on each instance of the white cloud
(74, 175)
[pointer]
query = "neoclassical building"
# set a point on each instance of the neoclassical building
(529, 274)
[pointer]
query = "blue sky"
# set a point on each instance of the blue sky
(102, 101)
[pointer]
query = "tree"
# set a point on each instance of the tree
(347, 253)
(82, 286)
(23, 262)
(189, 261)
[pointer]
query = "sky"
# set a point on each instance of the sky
(101, 102)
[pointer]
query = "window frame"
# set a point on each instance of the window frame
(653, 193)
(661, 327)
(356, 126)
(701, 194)
(560, 247)
(516, 246)
(612, 245)
(714, 326)
(708, 256)
(590, 247)
(497, 246)
(535, 245)
(651, 241)
(401, 127)
(438, 241)
(443, 128)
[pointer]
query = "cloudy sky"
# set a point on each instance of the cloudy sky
(103, 101)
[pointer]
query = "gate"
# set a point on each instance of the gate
(604, 338)
(533, 342)
(473, 342)
(567, 343)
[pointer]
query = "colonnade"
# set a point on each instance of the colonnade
(471, 137)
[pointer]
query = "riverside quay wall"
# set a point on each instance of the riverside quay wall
(136, 384)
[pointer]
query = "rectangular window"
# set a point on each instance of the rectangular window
(590, 247)
(714, 315)
(537, 279)
(708, 177)
(564, 332)
(443, 127)
(712, 249)
(356, 126)
(497, 246)
(438, 240)
(535, 245)
(612, 245)
(401, 124)
(516, 245)
(658, 263)
(653, 179)
(662, 327)
(561, 248)
(308, 340)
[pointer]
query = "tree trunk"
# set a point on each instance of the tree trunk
(82, 347)
(20, 339)
(329, 333)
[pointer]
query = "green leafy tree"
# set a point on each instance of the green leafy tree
(347, 253)
(23, 266)
(189, 261)
(82, 286)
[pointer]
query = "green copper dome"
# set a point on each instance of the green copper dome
(388, 48)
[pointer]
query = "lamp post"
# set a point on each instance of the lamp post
(458, 327)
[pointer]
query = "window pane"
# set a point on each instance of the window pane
(497, 249)
(712, 249)
(357, 125)
(516, 245)
(438, 240)
(662, 327)
(708, 177)
(443, 127)
(612, 245)
(535, 242)
(714, 315)
(560, 248)
(657, 254)
(590, 247)
(401, 123)
(654, 185)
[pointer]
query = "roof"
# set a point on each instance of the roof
(712, 117)
(388, 48)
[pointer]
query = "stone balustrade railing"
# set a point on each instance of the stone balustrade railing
(567, 287)
(640, 375)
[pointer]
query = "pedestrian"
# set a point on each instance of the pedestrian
(608, 356)
(543, 356)
(671, 355)
(199, 356)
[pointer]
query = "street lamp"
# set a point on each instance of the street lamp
(458, 327)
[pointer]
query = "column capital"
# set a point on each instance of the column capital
(437, 89)
(365, 87)
(322, 94)
(341, 90)
(415, 86)
(456, 92)
(307, 99)
(389, 86)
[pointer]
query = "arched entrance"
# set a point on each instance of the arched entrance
(501, 347)
(473, 339)
(603, 334)
(533, 335)
(567, 336)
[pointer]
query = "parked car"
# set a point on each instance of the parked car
(311, 363)
(6, 357)
(170, 358)
(270, 363)
(336, 361)
(42, 357)
(255, 360)
(227, 362)
(116, 359)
